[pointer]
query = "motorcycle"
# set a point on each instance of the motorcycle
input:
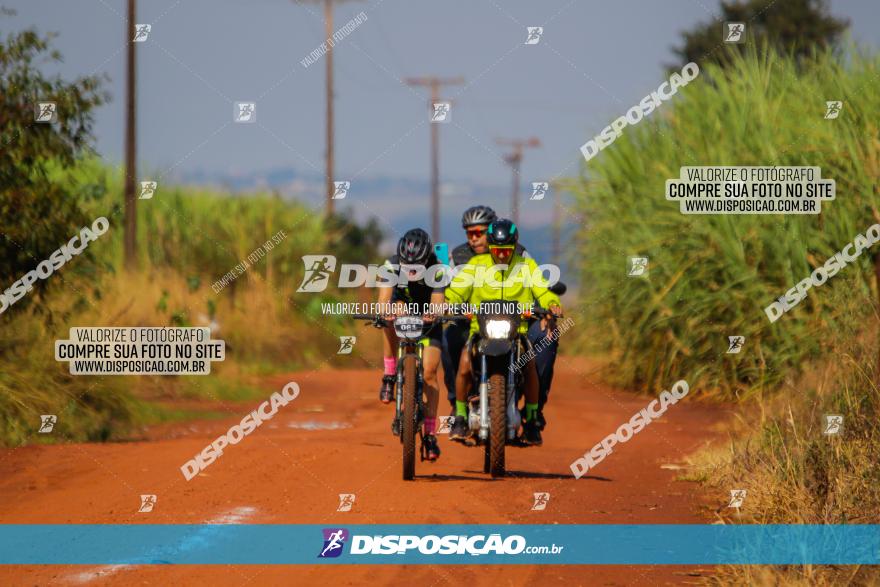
(498, 348)
(409, 412)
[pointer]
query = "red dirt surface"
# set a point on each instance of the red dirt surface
(293, 475)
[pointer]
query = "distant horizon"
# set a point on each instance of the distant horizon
(200, 57)
(559, 90)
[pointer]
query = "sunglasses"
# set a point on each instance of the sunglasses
(501, 250)
(476, 232)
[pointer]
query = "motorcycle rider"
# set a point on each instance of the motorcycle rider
(413, 249)
(502, 238)
(475, 221)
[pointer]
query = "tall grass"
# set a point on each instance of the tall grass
(711, 276)
(187, 240)
(795, 474)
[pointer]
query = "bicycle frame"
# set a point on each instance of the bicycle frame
(409, 347)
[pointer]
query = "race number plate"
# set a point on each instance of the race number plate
(408, 327)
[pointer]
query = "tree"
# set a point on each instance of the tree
(38, 213)
(352, 240)
(796, 26)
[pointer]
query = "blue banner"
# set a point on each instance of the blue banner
(611, 544)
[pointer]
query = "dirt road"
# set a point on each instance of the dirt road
(335, 438)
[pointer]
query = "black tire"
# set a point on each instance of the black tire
(497, 421)
(409, 417)
(486, 456)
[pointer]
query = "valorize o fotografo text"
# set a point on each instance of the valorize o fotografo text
(140, 350)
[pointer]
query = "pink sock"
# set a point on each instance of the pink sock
(390, 365)
(430, 423)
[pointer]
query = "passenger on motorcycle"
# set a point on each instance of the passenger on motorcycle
(475, 221)
(502, 238)
(414, 248)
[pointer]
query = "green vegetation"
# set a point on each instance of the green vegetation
(37, 211)
(189, 239)
(794, 27)
(51, 185)
(795, 474)
(712, 276)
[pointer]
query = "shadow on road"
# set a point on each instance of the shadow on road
(534, 475)
(481, 476)
(436, 477)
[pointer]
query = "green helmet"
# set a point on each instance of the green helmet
(502, 232)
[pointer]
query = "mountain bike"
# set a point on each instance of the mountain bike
(409, 412)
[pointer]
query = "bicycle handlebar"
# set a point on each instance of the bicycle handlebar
(379, 320)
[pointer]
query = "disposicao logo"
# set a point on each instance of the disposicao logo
(334, 540)
(318, 270)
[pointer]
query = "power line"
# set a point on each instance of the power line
(514, 159)
(329, 130)
(434, 83)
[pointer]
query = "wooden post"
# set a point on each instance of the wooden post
(130, 211)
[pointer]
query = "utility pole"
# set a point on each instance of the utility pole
(434, 83)
(328, 35)
(130, 211)
(328, 31)
(514, 159)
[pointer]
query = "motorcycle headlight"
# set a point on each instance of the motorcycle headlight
(497, 328)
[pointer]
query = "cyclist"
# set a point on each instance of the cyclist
(475, 221)
(502, 238)
(413, 249)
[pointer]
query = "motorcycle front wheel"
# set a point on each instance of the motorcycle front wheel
(497, 419)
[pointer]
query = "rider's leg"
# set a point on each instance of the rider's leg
(531, 428)
(389, 359)
(536, 338)
(389, 350)
(430, 362)
(454, 337)
(433, 388)
(531, 384)
(459, 430)
(463, 383)
(544, 362)
(545, 358)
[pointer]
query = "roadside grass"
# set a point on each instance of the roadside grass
(85, 410)
(189, 239)
(792, 471)
(710, 276)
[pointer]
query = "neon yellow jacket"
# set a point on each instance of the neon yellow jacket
(521, 282)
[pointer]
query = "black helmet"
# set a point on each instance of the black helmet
(502, 232)
(478, 215)
(415, 247)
